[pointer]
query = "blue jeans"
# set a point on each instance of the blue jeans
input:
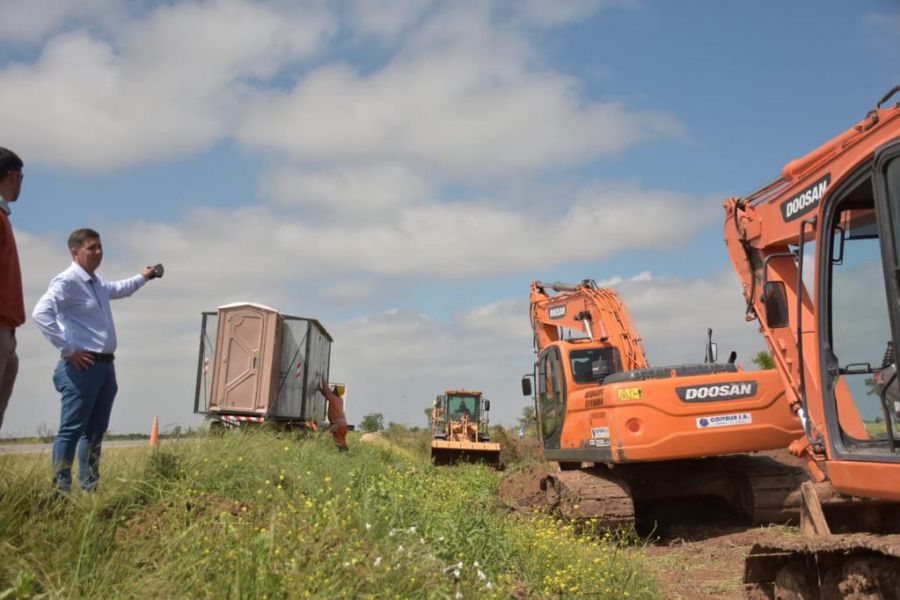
(87, 399)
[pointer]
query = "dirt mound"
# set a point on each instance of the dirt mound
(857, 566)
(374, 438)
(515, 450)
(520, 489)
(864, 579)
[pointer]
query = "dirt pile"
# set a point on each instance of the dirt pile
(520, 488)
(857, 566)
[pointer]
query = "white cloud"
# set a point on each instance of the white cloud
(458, 240)
(465, 94)
(351, 292)
(28, 21)
(360, 191)
(551, 14)
(396, 362)
(616, 280)
(157, 88)
(503, 320)
(385, 18)
(672, 316)
(461, 96)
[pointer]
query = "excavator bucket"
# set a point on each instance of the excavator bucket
(444, 452)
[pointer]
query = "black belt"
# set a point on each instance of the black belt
(100, 357)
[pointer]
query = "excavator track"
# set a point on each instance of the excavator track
(590, 494)
(771, 490)
(757, 489)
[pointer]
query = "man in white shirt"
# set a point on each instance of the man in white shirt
(74, 314)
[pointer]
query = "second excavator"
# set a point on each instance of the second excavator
(626, 434)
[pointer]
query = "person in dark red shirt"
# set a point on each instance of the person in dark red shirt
(12, 303)
(336, 415)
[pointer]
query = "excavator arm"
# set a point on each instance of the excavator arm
(598, 313)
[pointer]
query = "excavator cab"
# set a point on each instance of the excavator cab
(858, 271)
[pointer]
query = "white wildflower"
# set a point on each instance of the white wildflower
(458, 595)
(377, 561)
(481, 575)
(346, 564)
(412, 529)
(400, 548)
(489, 585)
(368, 526)
(475, 564)
(456, 573)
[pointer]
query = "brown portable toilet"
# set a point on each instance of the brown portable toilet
(248, 353)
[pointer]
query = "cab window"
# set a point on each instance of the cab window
(582, 361)
(550, 392)
(859, 328)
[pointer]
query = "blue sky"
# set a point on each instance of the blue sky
(401, 169)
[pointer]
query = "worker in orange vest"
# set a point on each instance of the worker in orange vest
(335, 415)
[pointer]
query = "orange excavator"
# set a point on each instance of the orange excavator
(818, 252)
(626, 434)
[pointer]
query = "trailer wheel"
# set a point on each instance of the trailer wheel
(216, 428)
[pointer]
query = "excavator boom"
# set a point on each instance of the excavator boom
(598, 313)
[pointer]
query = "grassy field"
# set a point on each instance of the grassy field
(257, 515)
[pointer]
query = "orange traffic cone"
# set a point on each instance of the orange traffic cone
(154, 432)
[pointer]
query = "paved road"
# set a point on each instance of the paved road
(23, 448)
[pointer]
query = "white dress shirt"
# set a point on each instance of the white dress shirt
(74, 312)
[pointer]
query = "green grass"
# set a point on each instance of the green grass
(256, 515)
